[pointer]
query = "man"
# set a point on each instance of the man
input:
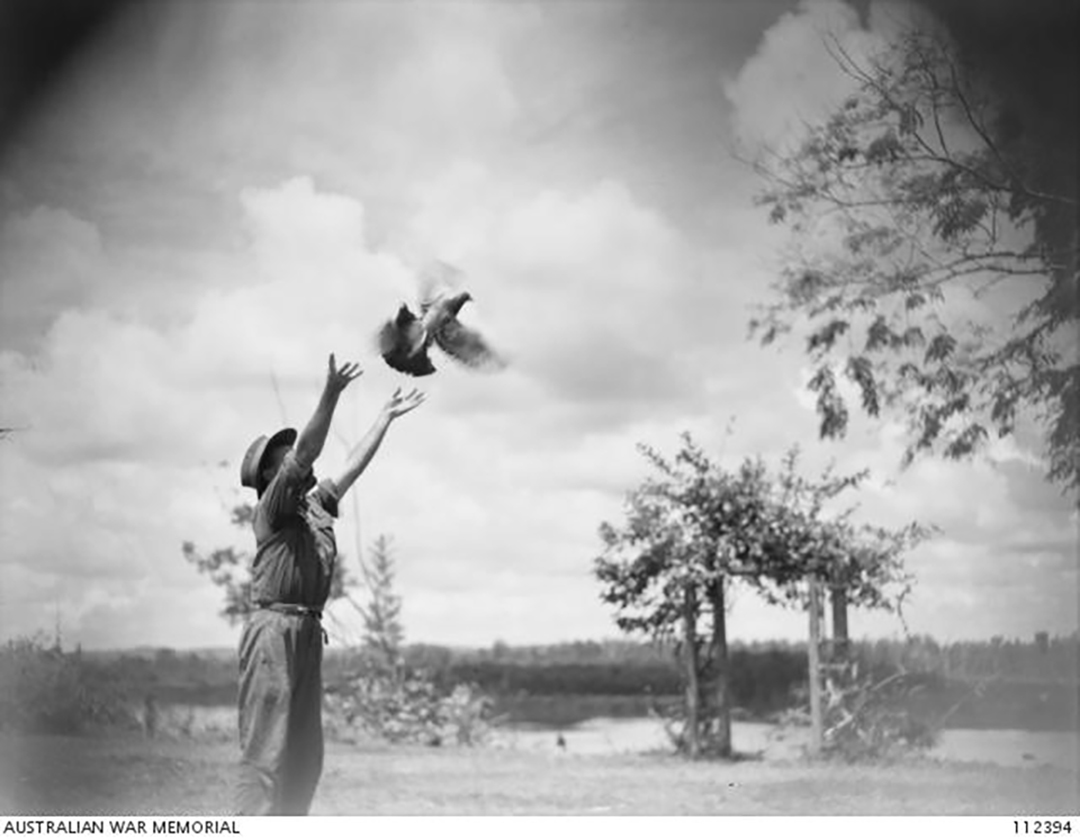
(281, 646)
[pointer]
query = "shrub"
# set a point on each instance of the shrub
(408, 707)
(867, 718)
(671, 713)
(45, 690)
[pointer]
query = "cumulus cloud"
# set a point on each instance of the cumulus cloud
(109, 498)
(603, 305)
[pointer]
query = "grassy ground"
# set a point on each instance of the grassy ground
(58, 775)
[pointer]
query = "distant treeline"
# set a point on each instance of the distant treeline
(618, 666)
(996, 685)
(761, 681)
(766, 677)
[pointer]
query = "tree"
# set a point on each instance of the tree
(229, 568)
(923, 186)
(695, 527)
(688, 531)
(384, 635)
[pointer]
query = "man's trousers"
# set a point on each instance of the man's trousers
(281, 736)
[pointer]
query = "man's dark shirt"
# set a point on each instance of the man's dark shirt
(294, 538)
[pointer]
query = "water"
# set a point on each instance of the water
(1008, 747)
(605, 736)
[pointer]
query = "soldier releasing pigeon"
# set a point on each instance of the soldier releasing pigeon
(404, 341)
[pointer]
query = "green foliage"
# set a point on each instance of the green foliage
(923, 184)
(45, 690)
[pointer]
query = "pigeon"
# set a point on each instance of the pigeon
(404, 341)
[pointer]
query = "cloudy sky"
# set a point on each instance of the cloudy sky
(222, 194)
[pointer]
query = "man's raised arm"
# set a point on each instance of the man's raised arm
(365, 450)
(310, 443)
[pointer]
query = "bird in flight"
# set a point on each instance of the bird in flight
(405, 340)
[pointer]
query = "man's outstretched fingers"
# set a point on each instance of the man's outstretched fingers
(337, 379)
(399, 405)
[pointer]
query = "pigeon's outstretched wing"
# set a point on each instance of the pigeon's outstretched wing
(467, 346)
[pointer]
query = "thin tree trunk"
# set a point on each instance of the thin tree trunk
(719, 640)
(813, 651)
(690, 658)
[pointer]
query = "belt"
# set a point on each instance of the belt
(290, 609)
(295, 609)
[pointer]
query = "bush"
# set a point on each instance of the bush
(44, 690)
(671, 714)
(867, 718)
(408, 707)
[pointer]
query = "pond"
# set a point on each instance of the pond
(1006, 747)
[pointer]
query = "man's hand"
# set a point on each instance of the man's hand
(310, 443)
(364, 451)
(338, 379)
(399, 404)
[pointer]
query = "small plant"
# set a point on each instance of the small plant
(673, 718)
(408, 707)
(467, 715)
(386, 699)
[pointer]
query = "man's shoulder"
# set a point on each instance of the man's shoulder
(324, 497)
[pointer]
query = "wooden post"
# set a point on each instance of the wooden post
(814, 662)
(693, 689)
(841, 643)
(720, 651)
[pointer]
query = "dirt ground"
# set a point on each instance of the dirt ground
(58, 775)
